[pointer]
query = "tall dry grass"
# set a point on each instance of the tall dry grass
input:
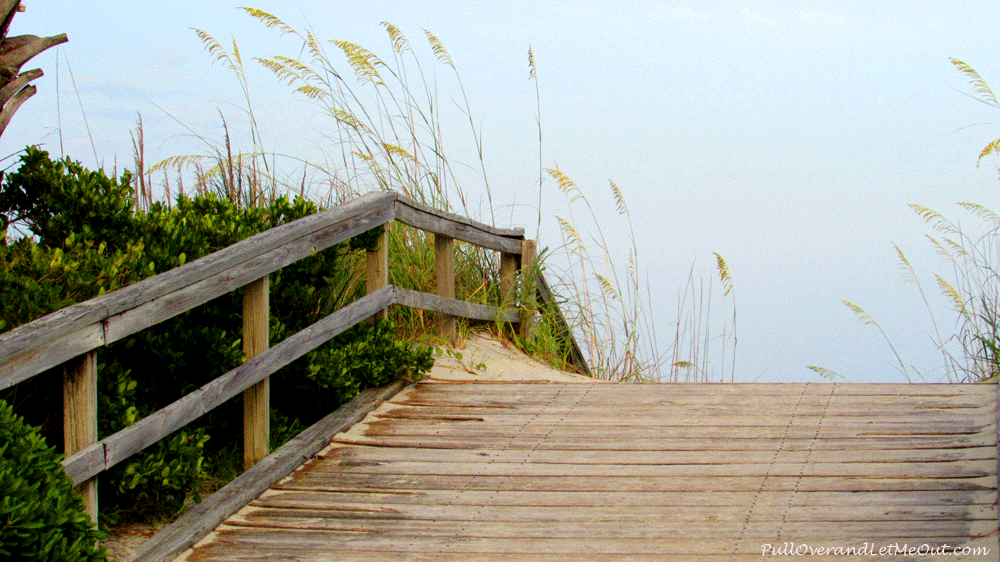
(385, 123)
(970, 352)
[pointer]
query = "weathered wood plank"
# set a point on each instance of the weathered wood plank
(853, 506)
(158, 425)
(529, 274)
(594, 409)
(597, 529)
(886, 391)
(526, 393)
(424, 217)
(38, 359)
(726, 439)
(80, 417)
(950, 469)
(157, 310)
(202, 518)
(667, 394)
(432, 223)
(444, 281)
(508, 277)
(237, 552)
(377, 268)
(437, 423)
(811, 523)
(295, 540)
(549, 456)
(697, 405)
(676, 444)
(516, 232)
(720, 484)
(503, 427)
(554, 476)
(435, 303)
(594, 416)
(428, 424)
(153, 300)
(547, 299)
(257, 398)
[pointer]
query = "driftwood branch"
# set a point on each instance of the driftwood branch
(14, 52)
(20, 82)
(8, 8)
(8, 111)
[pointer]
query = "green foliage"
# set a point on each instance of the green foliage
(41, 517)
(366, 356)
(56, 198)
(36, 279)
(75, 248)
(157, 482)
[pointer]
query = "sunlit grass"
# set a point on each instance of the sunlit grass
(971, 288)
(385, 118)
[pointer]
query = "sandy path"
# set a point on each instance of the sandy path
(486, 358)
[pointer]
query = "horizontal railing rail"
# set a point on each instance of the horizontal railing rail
(69, 332)
(71, 336)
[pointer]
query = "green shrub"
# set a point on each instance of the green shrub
(41, 517)
(85, 239)
(367, 355)
(58, 198)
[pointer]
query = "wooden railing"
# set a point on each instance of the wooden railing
(70, 337)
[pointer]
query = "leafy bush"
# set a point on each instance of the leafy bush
(41, 517)
(83, 237)
(366, 356)
(58, 198)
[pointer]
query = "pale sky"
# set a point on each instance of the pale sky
(786, 136)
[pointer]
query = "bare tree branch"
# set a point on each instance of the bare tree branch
(21, 81)
(8, 111)
(14, 52)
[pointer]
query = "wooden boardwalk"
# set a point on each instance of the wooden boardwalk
(669, 472)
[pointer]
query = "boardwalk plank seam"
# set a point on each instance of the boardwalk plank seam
(808, 460)
(763, 481)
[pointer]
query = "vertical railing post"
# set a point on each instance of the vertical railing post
(80, 417)
(257, 398)
(377, 269)
(444, 269)
(528, 288)
(508, 277)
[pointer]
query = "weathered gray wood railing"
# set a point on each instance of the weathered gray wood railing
(71, 336)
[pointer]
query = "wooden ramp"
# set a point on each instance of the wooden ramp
(667, 472)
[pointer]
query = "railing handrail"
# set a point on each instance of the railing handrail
(69, 332)
(78, 330)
